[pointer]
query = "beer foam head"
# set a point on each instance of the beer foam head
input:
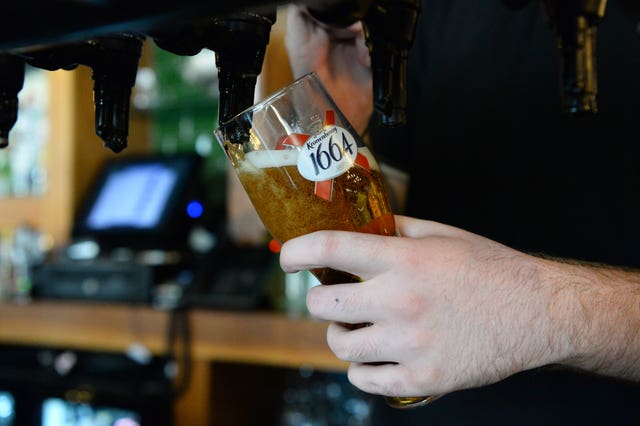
(272, 158)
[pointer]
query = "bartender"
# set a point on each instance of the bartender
(488, 150)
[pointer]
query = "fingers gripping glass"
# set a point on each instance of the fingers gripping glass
(305, 169)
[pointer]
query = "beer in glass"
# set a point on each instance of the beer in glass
(305, 169)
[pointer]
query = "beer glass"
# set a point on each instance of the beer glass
(305, 169)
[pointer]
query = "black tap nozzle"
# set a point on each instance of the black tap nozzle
(240, 48)
(115, 64)
(239, 41)
(390, 27)
(11, 82)
(575, 24)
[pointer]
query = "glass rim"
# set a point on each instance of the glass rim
(310, 75)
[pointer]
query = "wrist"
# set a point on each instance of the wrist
(595, 317)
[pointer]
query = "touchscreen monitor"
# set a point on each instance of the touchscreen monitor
(141, 202)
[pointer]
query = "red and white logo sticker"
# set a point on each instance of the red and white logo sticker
(327, 154)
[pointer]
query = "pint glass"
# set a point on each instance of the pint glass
(305, 169)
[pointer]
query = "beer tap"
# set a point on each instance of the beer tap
(111, 42)
(239, 41)
(389, 30)
(389, 27)
(114, 63)
(239, 57)
(11, 81)
(575, 23)
(114, 74)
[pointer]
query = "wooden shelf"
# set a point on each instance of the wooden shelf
(251, 337)
(216, 337)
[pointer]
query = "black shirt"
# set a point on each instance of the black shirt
(487, 145)
(489, 150)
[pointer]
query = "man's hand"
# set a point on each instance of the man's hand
(450, 310)
(340, 58)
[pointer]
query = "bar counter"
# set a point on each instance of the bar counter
(216, 337)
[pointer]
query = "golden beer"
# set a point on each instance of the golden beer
(305, 169)
(288, 206)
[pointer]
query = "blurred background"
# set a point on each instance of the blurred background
(97, 328)
(138, 286)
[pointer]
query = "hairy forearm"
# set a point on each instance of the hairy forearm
(595, 314)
